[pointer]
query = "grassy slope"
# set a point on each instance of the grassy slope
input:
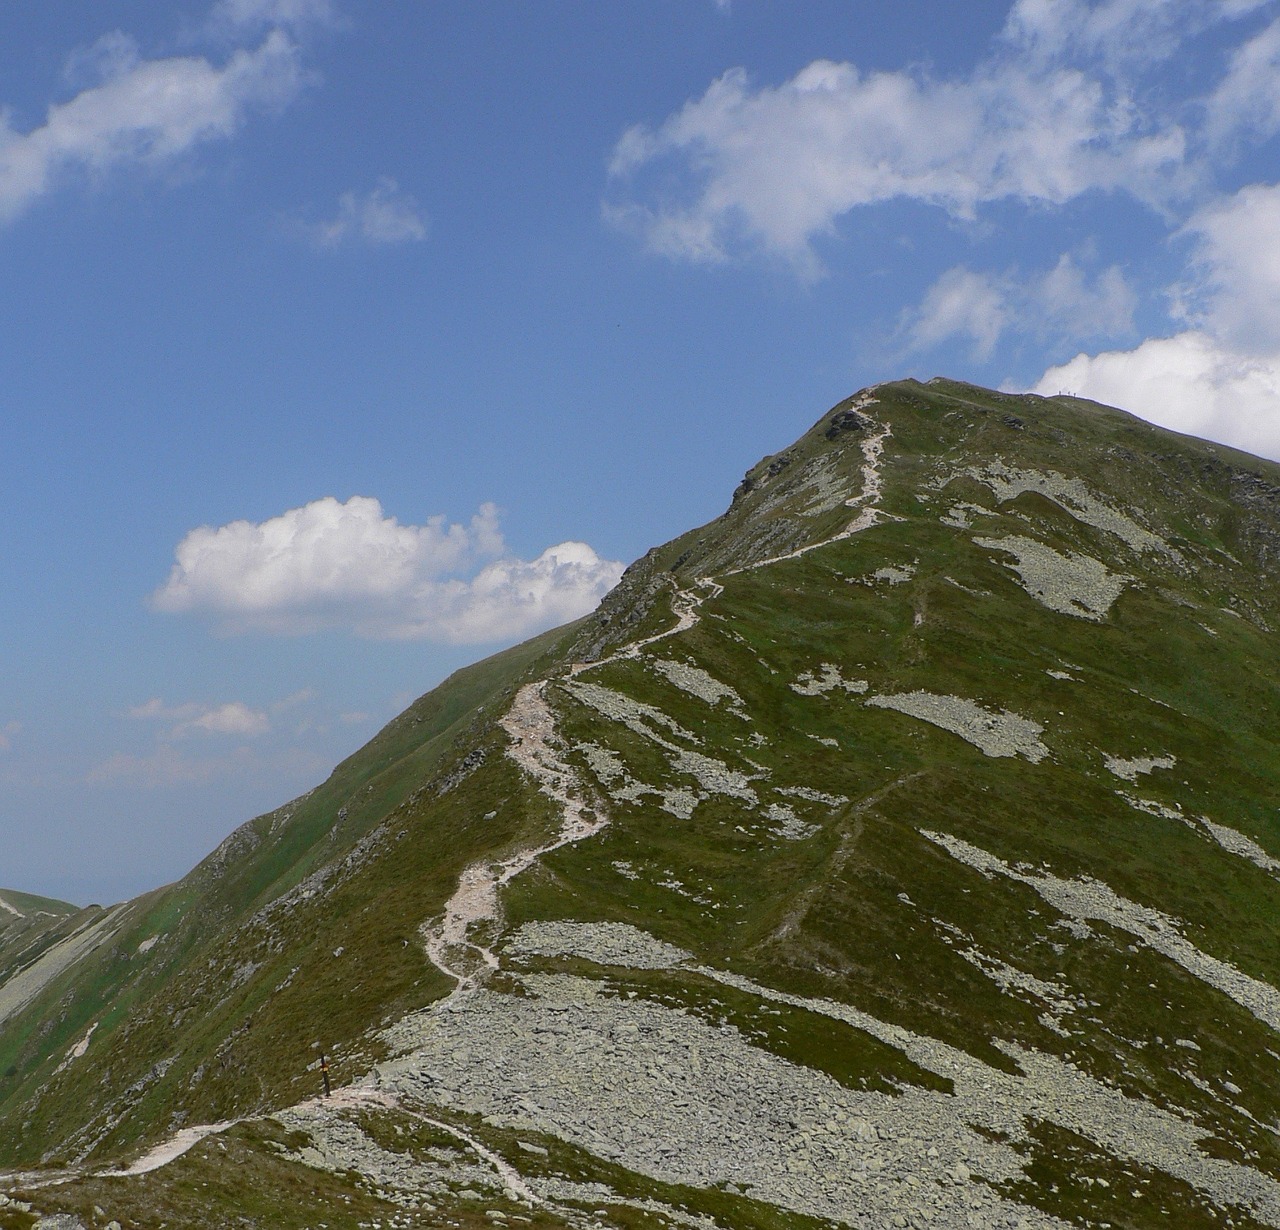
(1171, 670)
(219, 959)
(1184, 664)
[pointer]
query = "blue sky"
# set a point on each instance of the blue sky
(343, 343)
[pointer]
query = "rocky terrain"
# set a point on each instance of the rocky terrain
(899, 849)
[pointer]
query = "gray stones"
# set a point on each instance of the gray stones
(696, 681)
(827, 678)
(994, 733)
(1092, 900)
(713, 1107)
(606, 943)
(1070, 583)
(1130, 769)
(1235, 842)
(1072, 496)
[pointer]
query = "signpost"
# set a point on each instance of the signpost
(324, 1068)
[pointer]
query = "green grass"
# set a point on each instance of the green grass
(856, 911)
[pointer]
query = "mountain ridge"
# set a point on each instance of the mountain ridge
(788, 749)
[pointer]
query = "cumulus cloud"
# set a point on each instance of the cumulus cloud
(1189, 382)
(1062, 303)
(349, 566)
(142, 112)
(1220, 377)
(383, 215)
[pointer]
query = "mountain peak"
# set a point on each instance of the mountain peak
(898, 848)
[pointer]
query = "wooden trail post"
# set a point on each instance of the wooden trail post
(324, 1072)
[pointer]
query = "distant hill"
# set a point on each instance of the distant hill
(899, 849)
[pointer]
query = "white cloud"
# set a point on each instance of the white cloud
(1189, 382)
(7, 733)
(507, 599)
(1233, 290)
(774, 168)
(325, 554)
(231, 718)
(142, 112)
(1060, 304)
(336, 565)
(383, 215)
(1220, 378)
(234, 718)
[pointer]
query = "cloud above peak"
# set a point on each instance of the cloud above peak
(1070, 100)
(335, 565)
(984, 307)
(769, 170)
(1220, 376)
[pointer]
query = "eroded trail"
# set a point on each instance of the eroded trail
(686, 603)
(458, 941)
(450, 941)
(867, 501)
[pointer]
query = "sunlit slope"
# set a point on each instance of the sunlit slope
(900, 848)
(29, 925)
(91, 1055)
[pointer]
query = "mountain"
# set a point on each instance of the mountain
(899, 849)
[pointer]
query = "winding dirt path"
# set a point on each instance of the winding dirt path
(534, 746)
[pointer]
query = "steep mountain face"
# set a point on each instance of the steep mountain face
(899, 849)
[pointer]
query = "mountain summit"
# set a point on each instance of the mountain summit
(899, 849)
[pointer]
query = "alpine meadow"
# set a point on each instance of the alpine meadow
(393, 837)
(899, 848)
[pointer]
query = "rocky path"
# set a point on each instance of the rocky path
(451, 941)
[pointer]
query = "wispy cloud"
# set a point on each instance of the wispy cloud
(1063, 304)
(770, 170)
(230, 718)
(1070, 100)
(7, 733)
(168, 766)
(349, 566)
(238, 15)
(138, 112)
(384, 215)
